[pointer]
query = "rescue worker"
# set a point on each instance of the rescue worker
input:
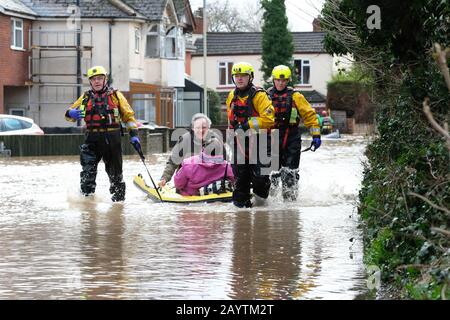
(191, 143)
(202, 172)
(326, 123)
(290, 105)
(248, 108)
(103, 108)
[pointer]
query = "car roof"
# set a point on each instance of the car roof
(16, 117)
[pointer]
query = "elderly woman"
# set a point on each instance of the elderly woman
(202, 171)
(190, 144)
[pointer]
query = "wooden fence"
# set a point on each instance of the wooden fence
(68, 144)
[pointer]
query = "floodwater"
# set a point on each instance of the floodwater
(56, 244)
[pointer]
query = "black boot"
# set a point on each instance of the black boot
(290, 178)
(246, 204)
(118, 191)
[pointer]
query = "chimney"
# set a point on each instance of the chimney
(316, 24)
(198, 16)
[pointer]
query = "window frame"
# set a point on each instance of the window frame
(149, 106)
(228, 65)
(137, 40)
(157, 38)
(172, 35)
(14, 28)
(21, 110)
(303, 63)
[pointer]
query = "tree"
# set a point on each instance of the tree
(277, 44)
(253, 17)
(214, 106)
(222, 17)
(406, 186)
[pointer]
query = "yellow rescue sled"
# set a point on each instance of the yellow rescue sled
(169, 194)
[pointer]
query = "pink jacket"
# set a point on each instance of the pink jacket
(200, 170)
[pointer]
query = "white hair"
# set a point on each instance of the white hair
(197, 116)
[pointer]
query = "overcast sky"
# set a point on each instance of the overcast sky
(300, 12)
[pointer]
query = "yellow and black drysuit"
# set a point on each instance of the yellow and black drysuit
(249, 109)
(290, 105)
(104, 112)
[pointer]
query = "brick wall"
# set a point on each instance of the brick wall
(13, 63)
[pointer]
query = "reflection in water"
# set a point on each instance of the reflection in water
(307, 279)
(101, 245)
(266, 254)
(56, 244)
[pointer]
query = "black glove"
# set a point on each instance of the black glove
(244, 126)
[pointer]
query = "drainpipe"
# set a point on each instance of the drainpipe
(79, 79)
(205, 86)
(110, 50)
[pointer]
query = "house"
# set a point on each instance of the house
(314, 67)
(141, 43)
(15, 23)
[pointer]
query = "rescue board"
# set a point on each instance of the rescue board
(169, 194)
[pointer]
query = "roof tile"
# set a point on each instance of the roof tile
(225, 43)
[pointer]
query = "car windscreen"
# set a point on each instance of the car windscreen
(10, 124)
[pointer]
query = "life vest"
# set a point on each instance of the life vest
(286, 113)
(240, 111)
(101, 111)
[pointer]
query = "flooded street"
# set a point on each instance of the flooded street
(56, 244)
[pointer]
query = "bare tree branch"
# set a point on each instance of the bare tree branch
(441, 59)
(441, 231)
(253, 17)
(429, 115)
(429, 202)
(222, 17)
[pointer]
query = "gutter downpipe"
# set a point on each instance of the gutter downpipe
(205, 86)
(79, 79)
(110, 50)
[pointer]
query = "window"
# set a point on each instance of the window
(137, 39)
(164, 45)
(303, 71)
(225, 77)
(166, 108)
(144, 107)
(152, 48)
(171, 43)
(16, 33)
(11, 124)
(17, 112)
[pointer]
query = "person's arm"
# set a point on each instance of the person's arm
(229, 110)
(180, 179)
(307, 113)
(168, 172)
(264, 108)
(126, 113)
(177, 155)
(77, 104)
